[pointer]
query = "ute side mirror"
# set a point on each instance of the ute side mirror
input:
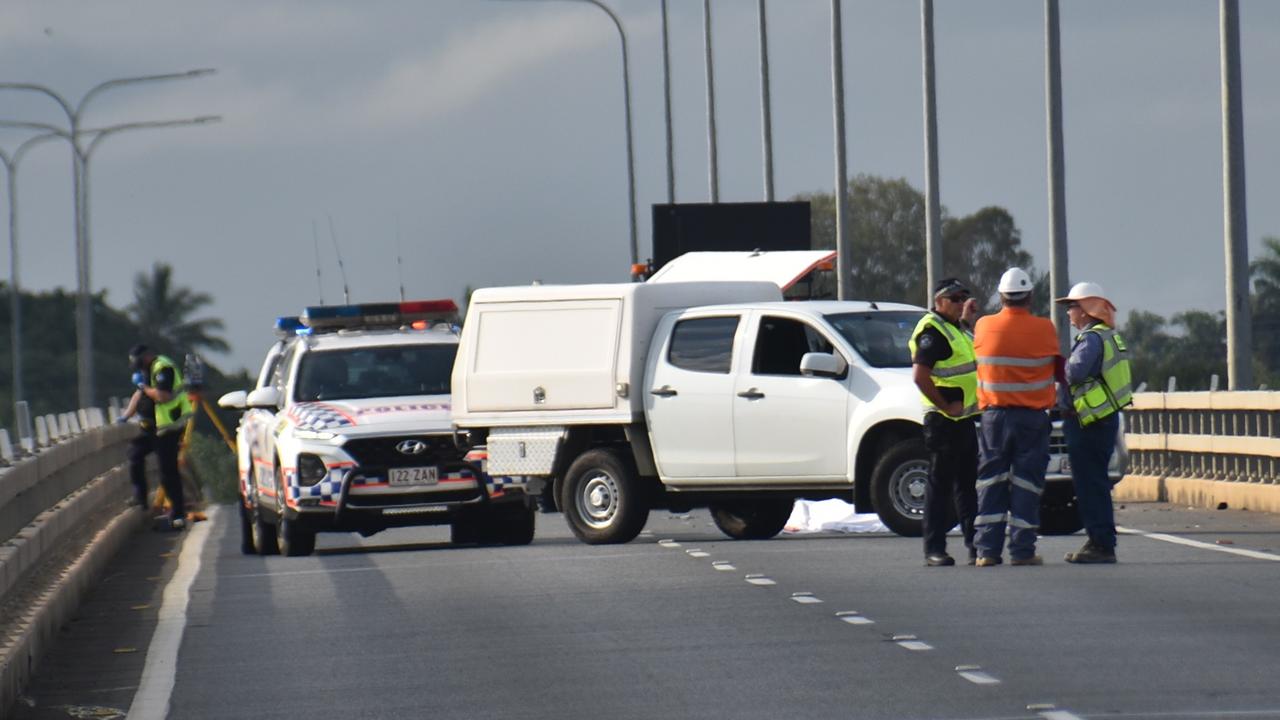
(828, 365)
(234, 400)
(265, 398)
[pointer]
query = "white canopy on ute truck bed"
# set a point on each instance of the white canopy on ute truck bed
(576, 352)
(783, 268)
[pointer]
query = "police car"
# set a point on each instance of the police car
(348, 429)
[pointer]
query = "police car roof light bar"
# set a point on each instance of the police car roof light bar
(339, 317)
(287, 325)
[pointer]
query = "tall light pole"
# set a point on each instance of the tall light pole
(1057, 174)
(666, 94)
(84, 307)
(713, 164)
(844, 249)
(766, 119)
(933, 210)
(15, 288)
(1234, 215)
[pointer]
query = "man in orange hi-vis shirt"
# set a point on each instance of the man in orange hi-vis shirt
(1018, 359)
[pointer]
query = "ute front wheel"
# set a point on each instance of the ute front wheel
(603, 498)
(897, 487)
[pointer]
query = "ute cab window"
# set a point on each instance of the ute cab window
(782, 342)
(703, 344)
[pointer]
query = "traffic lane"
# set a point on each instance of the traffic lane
(1170, 628)
(553, 629)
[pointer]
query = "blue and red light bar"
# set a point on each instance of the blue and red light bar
(337, 317)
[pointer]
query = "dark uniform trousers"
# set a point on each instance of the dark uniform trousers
(950, 494)
(165, 446)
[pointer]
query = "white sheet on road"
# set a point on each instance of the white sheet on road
(810, 516)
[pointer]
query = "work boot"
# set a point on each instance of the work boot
(987, 561)
(1033, 560)
(1091, 554)
(938, 560)
(973, 555)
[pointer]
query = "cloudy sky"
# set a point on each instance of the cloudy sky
(487, 136)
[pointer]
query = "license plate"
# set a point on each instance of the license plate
(414, 475)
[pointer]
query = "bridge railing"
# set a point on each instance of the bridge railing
(1204, 449)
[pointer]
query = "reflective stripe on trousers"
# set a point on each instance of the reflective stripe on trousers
(1014, 449)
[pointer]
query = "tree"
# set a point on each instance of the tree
(1264, 272)
(163, 313)
(887, 232)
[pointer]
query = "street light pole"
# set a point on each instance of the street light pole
(933, 210)
(1057, 175)
(15, 288)
(766, 120)
(844, 249)
(713, 164)
(666, 94)
(1234, 215)
(84, 307)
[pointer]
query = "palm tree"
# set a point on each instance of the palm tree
(163, 314)
(1265, 274)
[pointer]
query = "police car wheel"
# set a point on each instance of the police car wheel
(603, 499)
(512, 524)
(247, 545)
(296, 540)
(758, 520)
(264, 534)
(897, 487)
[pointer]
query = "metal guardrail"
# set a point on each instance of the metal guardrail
(1222, 436)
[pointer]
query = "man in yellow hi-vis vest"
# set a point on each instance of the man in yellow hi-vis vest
(1100, 387)
(161, 404)
(945, 370)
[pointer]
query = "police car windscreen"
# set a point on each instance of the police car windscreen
(372, 372)
(881, 338)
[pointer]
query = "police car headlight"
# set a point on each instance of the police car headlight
(311, 469)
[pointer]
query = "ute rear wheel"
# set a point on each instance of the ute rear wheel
(603, 499)
(752, 520)
(897, 487)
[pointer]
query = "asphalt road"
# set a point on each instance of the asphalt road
(681, 623)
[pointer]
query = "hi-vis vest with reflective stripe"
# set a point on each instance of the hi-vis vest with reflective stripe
(1098, 397)
(170, 415)
(1015, 352)
(958, 371)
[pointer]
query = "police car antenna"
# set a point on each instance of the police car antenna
(399, 264)
(315, 240)
(346, 292)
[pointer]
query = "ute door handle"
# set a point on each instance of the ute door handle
(751, 394)
(664, 391)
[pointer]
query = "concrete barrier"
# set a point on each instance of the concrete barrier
(70, 497)
(1204, 449)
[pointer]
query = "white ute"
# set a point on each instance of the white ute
(618, 398)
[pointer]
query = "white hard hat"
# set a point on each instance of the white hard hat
(1014, 281)
(1082, 290)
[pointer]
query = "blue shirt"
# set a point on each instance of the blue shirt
(1085, 362)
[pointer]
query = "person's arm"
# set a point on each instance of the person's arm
(132, 408)
(923, 376)
(1086, 360)
(161, 389)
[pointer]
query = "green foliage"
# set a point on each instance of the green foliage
(888, 236)
(1265, 274)
(213, 465)
(162, 314)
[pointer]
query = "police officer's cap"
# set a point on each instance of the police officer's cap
(136, 354)
(950, 286)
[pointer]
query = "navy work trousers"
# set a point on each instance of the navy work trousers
(1014, 448)
(1090, 449)
(165, 446)
(949, 496)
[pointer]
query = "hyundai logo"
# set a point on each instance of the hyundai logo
(411, 447)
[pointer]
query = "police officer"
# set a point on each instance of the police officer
(943, 367)
(162, 406)
(1098, 378)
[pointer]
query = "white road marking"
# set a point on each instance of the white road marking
(697, 553)
(723, 565)
(853, 617)
(978, 677)
(1255, 554)
(805, 598)
(151, 701)
(1060, 715)
(756, 579)
(669, 543)
(916, 645)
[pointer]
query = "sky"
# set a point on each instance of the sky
(473, 143)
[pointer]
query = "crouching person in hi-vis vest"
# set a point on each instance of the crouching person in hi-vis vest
(1100, 387)
(162, 406)
(1017, 356)
(944, 370)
